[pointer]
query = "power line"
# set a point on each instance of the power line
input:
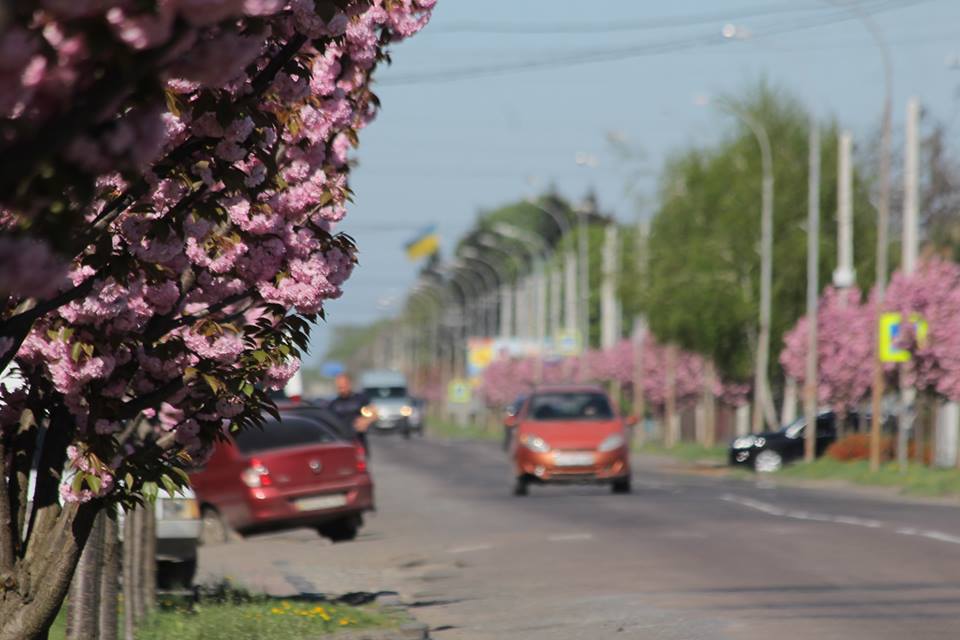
(625, 53)
(566, 28)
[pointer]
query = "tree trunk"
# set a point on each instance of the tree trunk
(109, 577)
(44, 576)
(130, 572)
(149, 558)
(83, 604)
(672, 425)
(709, 406)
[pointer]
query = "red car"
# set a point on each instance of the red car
(570, 434)
(296, 472)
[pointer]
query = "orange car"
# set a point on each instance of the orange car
(570, 434)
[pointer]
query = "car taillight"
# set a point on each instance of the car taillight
(361, 459)
(257, 475)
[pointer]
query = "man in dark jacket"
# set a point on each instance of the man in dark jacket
(353, 408)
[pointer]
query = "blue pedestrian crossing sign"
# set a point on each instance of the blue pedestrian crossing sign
(891, 329)
(458, 391)
(568, 343)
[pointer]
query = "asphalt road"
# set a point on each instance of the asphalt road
(682, 557)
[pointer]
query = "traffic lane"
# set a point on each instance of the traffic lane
(679, 545)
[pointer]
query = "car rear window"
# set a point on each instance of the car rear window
(585, 405)
(290, 432)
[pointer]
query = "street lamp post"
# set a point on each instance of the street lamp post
(506, 303)
(510, 317)
(526, 239)
(760, 383)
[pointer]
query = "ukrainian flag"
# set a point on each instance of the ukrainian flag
(426, 243)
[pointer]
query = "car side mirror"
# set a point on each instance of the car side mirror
(511, 421)
(631, 421)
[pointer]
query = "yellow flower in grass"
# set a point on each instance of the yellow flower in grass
(344, 622)
(277, 611)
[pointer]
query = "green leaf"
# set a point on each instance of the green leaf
(128, 481)
(75, 351)
(150, 491)
(214, 384)
(169, 484)
(94, 483)
(260, 356)
(183, 475)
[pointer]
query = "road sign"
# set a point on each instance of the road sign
(568, 343)
(891, 327)
(458, 391)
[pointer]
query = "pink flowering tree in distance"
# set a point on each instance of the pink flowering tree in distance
(844, 349)
(171, 173)
(932, 291)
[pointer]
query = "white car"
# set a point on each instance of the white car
(178, 536)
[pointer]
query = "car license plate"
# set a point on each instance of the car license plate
(574, 459)
(317, 503)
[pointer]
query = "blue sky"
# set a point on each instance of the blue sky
(460, 132)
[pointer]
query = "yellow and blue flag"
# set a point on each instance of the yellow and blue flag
(425, 244)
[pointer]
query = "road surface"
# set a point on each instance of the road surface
(684, 556)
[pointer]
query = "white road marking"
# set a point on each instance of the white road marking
(926, 533)
(470, 549)
(797, 514)
(570, 537)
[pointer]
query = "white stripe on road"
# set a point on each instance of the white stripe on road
(795, 514)
(570, 537)
(470, 549)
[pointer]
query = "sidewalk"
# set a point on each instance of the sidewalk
(705, 467)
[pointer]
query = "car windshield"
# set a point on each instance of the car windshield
(382, 393)
(291, 432)
(586, 405)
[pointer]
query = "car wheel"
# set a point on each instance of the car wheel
(213, 528)
(621, 485)
(768, 461)
(342, 530)
(522, 487)
(173, 575)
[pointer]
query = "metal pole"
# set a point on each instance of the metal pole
(583, 262)
(761, 408)
(844, 276)
(883, 223)
(910, 249)
(813, 291)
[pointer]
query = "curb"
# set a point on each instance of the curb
(406, 631)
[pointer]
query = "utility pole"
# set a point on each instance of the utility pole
(908, 263)
(583, 261)
(570, 299)
(813, 291)
(556, 285)
(844, 276)
(883, 230)
(761, 386)
(609, 307)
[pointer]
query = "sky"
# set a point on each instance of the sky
(497, 99)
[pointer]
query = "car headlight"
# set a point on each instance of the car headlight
(406, 411)
(744, 442)
(179, 509)
(534, 443)
(612, 442)
(367, 412)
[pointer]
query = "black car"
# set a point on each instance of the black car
(770, 450)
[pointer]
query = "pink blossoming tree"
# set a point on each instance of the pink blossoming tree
(844, 349)
(170, 178)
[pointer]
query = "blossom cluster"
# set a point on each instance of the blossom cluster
(847, 335)
(169, 244)
(663, 369)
